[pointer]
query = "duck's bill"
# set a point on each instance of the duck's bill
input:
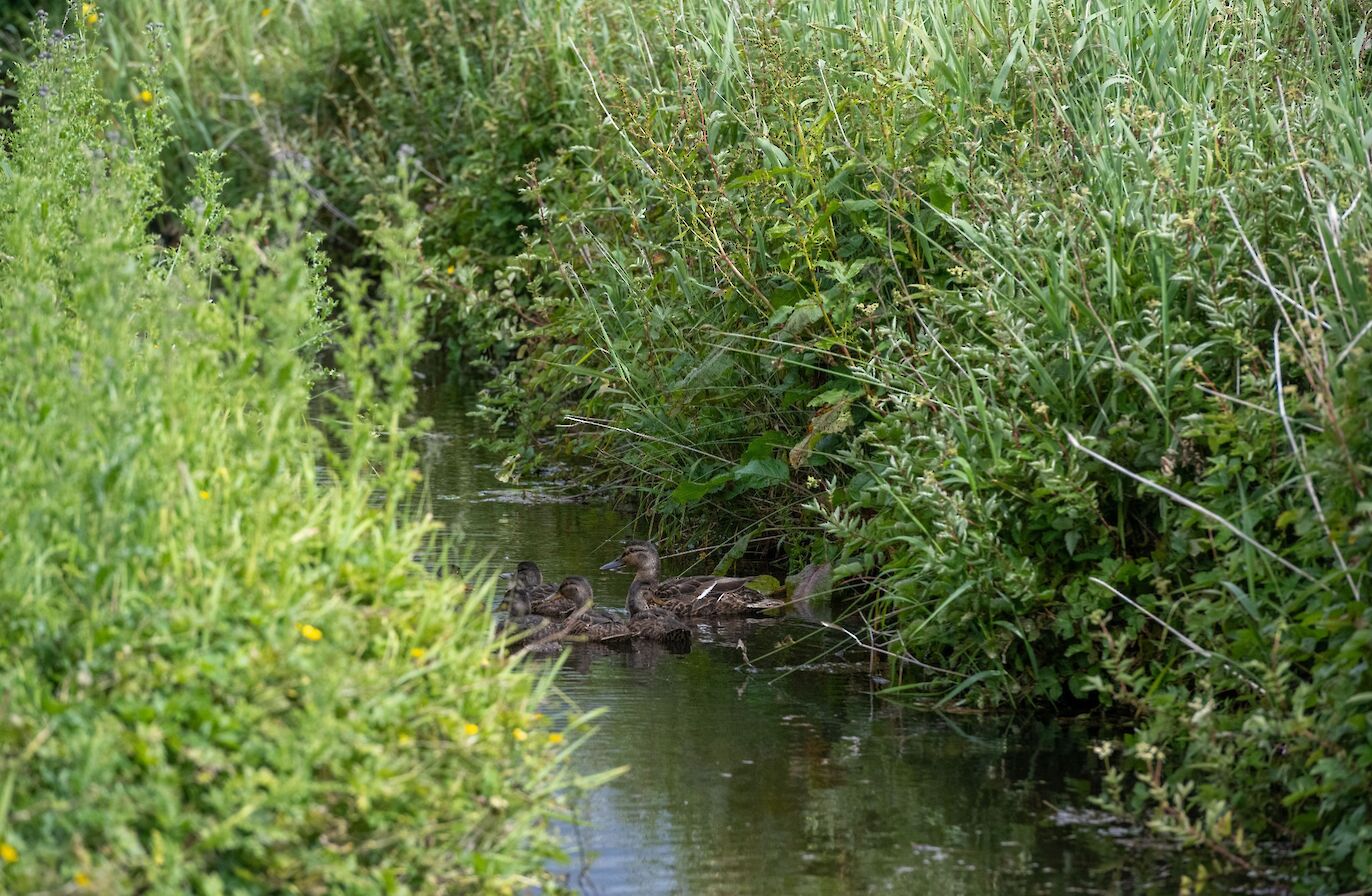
(507, 575)
(614, 564)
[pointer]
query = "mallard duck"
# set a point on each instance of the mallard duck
(688, 596)
(593, 624)
(649, 623)
(521, 625)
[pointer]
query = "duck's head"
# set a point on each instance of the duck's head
(526, 575)
(638, 556)
(578, 589)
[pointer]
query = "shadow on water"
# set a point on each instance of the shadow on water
(763, 772)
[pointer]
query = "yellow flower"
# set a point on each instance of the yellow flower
(87, 8)
(256, 98)
(204, 495)
(92, 18)
(452, 269)
(555, 737)
(82, 879)
(417, 653)
(8, 853)
(404, 740)
(309, 632)
(471, 728)
(145, 96)
(519, 734)
(266, 11)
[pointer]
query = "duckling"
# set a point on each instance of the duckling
(521, 625)
(688, 596)
(594, 624)
(544, 597)
(649, 623)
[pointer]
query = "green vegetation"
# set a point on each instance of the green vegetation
(220, 669)
(1046, 323)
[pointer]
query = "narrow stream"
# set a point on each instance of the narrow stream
(777, 773)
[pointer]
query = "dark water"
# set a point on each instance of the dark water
(779, 773)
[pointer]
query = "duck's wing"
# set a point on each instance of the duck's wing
(698, 589)
(522, 628)
(708, 596)
(607, 631)
(553, 605)
(602, 625)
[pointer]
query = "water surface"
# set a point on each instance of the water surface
(770, 768)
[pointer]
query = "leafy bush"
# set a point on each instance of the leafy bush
(339, 91)
(220, 668)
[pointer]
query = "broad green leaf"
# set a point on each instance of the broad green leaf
(689, 492)
(762, 472)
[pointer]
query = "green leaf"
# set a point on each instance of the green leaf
(764, 584)
(776, 158)
(762, 472)
(763, 445)
(689, 492)
(831, 396)
(967, 683)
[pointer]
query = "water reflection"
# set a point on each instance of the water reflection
(755, 770)
(763, 781)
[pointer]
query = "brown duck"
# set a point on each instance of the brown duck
(545, 632)
(545, 598)
(523, 627)
(593, 624)
(649, 623)
(688, 596)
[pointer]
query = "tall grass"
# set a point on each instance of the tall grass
(220, 669)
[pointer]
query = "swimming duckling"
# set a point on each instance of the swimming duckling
(521, 625)
(594, 624)
(649, 623)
